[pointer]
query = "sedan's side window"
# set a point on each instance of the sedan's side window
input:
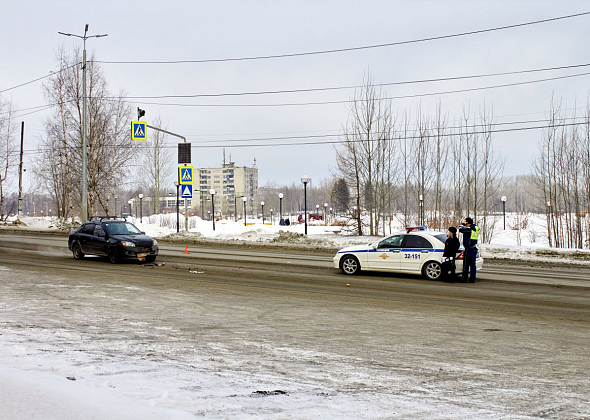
(98, 231)
(87, 228)
(391, 242)
(414, 241)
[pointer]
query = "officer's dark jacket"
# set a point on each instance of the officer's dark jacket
(451, 247)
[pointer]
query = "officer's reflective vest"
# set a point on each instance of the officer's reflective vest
(475, 233)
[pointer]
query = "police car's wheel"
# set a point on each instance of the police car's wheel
(349, 265)
(432, 270)
(113, 255)
(77, 251)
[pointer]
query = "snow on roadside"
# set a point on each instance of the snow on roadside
(512, 243)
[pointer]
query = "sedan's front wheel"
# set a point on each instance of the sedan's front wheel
(350, 265)
(77, 251)
(114, 255)
(432, 270)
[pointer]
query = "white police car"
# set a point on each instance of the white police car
(415, 251)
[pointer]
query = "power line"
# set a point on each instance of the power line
(125, 99)
(348, 134)
(328, 142)
(39, 78)
(321, 89)
(349, 100)
(366, 47)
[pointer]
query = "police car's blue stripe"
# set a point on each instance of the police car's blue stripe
(392, 249)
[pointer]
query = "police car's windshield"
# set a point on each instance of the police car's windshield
(122, 228)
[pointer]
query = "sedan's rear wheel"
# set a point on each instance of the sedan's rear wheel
(114, 255)
(77, 251)
(432, 270)
(350, 265)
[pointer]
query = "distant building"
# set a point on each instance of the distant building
(230, 183)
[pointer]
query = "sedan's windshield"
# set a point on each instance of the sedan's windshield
(120, 228)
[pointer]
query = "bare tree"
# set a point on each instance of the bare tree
(109, 146)
(8, 152)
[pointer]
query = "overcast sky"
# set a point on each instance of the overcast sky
(196, 30)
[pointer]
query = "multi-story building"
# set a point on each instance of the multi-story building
(230, 183)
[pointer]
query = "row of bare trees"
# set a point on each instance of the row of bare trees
(423, 168)
(563, 175)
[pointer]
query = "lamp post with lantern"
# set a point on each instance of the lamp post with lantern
(244, 199)
(549, 222)
(177, 185)
(262, 207)
(503, 200)
(280, 206)
(141, 207)
(305, 180)
(212, 192)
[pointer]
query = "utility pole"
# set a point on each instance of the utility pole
(84, 206)
(20, 172)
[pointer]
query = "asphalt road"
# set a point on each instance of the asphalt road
(514, 344)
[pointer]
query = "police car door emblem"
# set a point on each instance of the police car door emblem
(384, 256)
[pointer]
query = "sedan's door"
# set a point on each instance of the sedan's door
(386, 256)
(415, 250)
(99, 241)
(85, 237)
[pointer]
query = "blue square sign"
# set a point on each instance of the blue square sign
(138, 130)
(187, 191)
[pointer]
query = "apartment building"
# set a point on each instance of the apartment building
(230, 183)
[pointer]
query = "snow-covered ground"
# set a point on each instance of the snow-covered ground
(52, 370)
(526, 244)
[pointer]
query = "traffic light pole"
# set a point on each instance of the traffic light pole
(167, 132)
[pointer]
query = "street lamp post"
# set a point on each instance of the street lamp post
(305, 180)
(325, 213)
(317, 211)
(503, 199)
(115, 206)
(244, 199)
(280, 207)
(130, 202)
(549, 222)
(421, 209)
(212, 191)
(262, 205)
(272, 222)
(177, 185)
(141, 207)
(84, 207)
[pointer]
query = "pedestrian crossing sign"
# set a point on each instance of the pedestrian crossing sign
(138, 130)
(187, 191)
(185, 175)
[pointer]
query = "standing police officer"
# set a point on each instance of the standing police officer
(470, 237)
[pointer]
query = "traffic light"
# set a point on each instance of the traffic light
(140, 113)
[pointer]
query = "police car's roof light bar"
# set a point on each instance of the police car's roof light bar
(412, 228)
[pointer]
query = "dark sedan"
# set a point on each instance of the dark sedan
(116, 239)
